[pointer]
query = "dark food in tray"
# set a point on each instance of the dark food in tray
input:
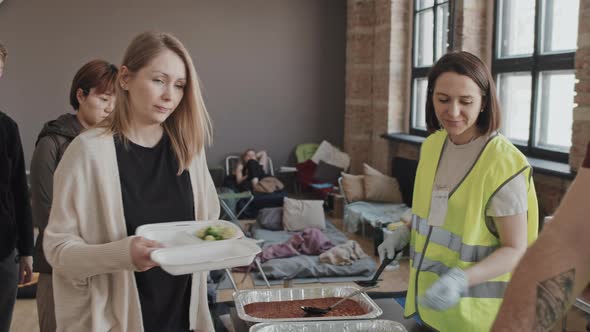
(291, 309)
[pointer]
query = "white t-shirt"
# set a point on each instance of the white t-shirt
(457, 160)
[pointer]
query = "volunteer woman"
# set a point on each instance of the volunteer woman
(474, 203)
(144, 164)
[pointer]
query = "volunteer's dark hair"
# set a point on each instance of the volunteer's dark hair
(467, 64)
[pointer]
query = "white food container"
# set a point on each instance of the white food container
(186, 253)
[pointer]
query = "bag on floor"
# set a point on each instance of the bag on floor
(268, 185)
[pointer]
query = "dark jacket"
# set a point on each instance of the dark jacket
(51, 144)
(16, 226)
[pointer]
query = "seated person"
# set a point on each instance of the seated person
(251, 174)
(251, 168)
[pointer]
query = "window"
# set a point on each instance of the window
(534, 49)
(431, 31)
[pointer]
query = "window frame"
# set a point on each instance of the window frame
(422, 72)
(534, 64)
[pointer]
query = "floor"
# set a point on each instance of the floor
(25, 314)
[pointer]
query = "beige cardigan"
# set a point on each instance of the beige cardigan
(86, 241)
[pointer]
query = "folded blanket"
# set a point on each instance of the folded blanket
(343, 254)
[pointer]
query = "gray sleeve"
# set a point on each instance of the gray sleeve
(43, 165)
(510, 199)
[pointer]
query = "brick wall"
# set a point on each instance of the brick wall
(358, 117)
(377, 72)
(379, 148)
(473, 28)
(406, 150)
(581, 127)
(550, 191)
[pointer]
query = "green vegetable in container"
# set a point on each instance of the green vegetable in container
(216, 233)
(201, 233)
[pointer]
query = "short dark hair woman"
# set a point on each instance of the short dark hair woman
(92, 96)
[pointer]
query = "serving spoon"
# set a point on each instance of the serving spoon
(373, 282)
(322, 311)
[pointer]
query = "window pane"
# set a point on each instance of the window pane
(560, 25)
(419, 103)
(514, 90)
(442, 33)
(516, 28)
(424, 38)
(421, 4)
(555, 104)
(442, 1)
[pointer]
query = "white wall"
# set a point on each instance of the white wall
(272, 70)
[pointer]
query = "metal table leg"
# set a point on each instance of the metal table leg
(245, 207)
(257, 261)
(231, 279)
(228, 211)
(362, 228)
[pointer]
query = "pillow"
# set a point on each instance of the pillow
(326, 173)
(271, 218)
(368, 170)
(330, 154)
(382, 188)
(299, 215)
(353, 187)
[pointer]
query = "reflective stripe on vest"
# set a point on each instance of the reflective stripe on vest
(489, 289)
(467, 252)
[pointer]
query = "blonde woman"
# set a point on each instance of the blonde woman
(143, 164)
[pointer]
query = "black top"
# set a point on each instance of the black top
(153, 193)
(16, 224)
(253, 169)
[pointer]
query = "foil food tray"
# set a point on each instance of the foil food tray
(332, 326)
(243, 298)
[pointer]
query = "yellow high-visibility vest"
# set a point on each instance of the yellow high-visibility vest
(466, 236)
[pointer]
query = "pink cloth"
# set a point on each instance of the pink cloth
(311, 241)
(314, 242)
